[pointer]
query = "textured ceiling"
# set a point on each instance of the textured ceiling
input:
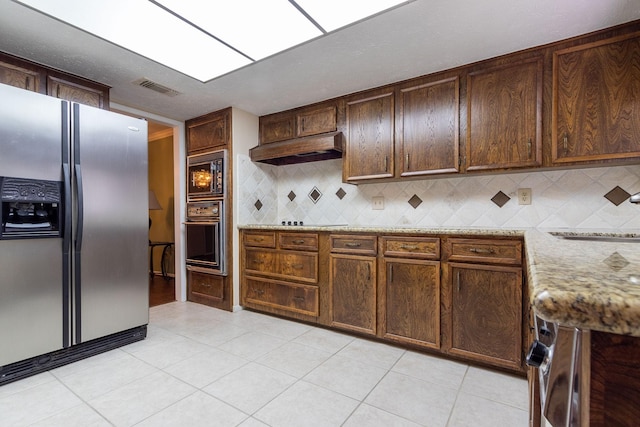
(417, 38)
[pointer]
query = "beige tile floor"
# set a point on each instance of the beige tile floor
(205, 367)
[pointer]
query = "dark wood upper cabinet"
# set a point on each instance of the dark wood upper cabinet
(77, 91)
(316, 121)
(428, 131)
(596, 113)
(210, 131)
(38, 78)
(504, 116)
(298, 123)
(370, 137)
(21, 75)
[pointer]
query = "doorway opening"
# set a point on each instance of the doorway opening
(161, 215)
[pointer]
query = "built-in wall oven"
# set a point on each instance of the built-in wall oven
(205, 237)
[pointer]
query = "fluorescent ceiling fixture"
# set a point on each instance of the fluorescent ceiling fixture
(205, 39)
(257, 28)
(333, 14)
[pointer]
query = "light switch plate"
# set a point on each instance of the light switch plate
(524, 196)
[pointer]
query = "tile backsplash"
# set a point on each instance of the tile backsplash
(314, 193)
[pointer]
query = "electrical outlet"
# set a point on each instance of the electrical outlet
(524, 196)
(377, 203)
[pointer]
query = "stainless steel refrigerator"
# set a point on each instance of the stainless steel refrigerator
(74, 237)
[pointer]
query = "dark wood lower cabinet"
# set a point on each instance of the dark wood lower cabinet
(352, 287)
(486, 313)
(205, 288)
(410, 301)
(615, 380)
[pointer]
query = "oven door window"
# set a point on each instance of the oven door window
(204, 245)
(201, 179)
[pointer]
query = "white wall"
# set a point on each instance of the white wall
(563, 198)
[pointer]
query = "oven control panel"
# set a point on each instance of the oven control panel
(204, 210)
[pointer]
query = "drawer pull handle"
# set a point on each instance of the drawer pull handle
(352, 244)
(258, 261)
(258, 239)
(300, 299)
(409, 247)
(299, 242)
(297, 266)
(482, 251)
(258, 291)
(205, 285)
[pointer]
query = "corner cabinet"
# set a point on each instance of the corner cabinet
(596, 114)
(484, 300)
(209, 132)
(352, 283)
(369, 152)
(409, 303)
(504, 116)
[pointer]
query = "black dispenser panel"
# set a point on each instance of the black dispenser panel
(30, 208)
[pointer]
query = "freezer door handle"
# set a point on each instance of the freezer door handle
(66, 236)
(79, 226)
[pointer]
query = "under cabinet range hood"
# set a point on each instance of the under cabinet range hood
(299, 150)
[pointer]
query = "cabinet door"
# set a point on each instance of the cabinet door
(429, 135)
(411, 302)
(370, 139)
(211, 131)
(596, 114)
(486, 313)
(316, 121)
(75, 92)
(277, 127)
(352, 289)
(504, 117)
(22, 77)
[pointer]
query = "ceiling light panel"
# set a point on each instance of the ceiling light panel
(148, 30)
(257, 28)
(334, 14)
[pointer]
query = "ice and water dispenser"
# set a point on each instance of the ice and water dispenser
(30, 208)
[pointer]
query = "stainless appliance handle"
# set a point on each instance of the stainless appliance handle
(201, 222)
(79, 224)
(66, 230)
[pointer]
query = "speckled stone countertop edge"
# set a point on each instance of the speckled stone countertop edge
(391, 230)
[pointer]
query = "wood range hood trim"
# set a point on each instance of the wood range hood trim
(299, 150)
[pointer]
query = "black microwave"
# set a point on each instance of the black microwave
(206, 175)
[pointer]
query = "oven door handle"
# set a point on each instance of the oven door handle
(201, 222)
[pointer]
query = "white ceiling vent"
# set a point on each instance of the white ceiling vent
(156, 87)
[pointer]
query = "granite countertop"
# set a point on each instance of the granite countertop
(589, 284)
(586, 284)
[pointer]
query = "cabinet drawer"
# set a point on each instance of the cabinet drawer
(259, 239)
(288, 296)
(299, 241)
(298, 265)
(411, 247)
(207, 284)
(354, 244)
(260, 261)
(484, 250)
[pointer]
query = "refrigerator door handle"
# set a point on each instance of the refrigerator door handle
(79, 225)
(66, 231)
(80, 200)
